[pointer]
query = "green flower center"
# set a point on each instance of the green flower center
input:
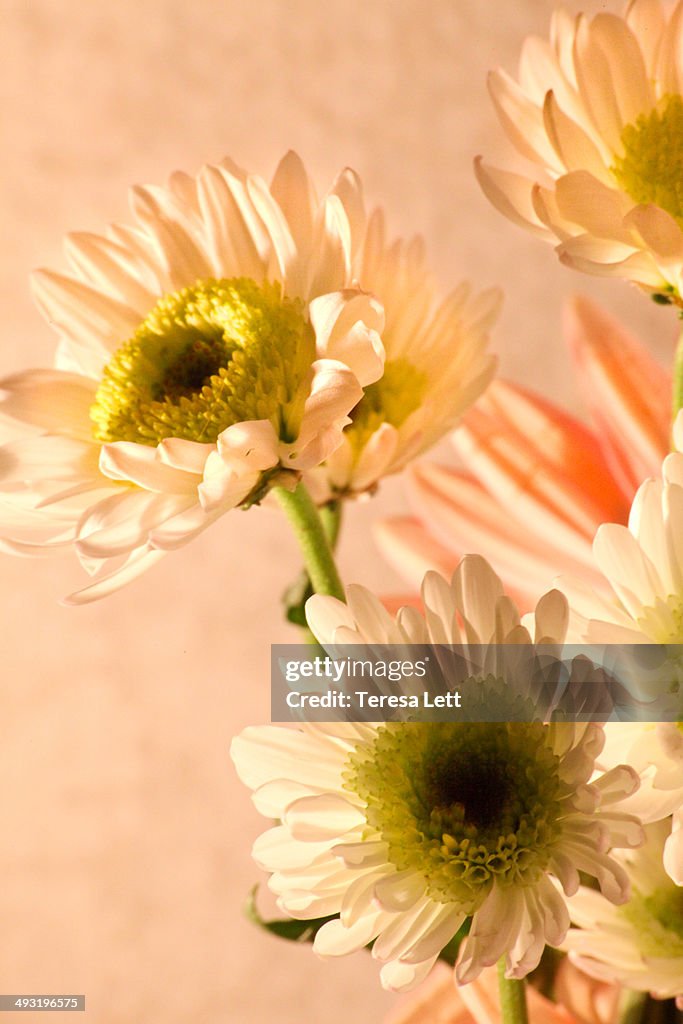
(462, 803)
(206, 357)
(391, 400)
(658, 919)
(651, 167)
(663, 624)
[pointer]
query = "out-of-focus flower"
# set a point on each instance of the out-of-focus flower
(581, 1000)
(406, 829)
(599, 111)
(641, 943)
(537, 483)
(436, 364)
(588, 1000)
(210, 351)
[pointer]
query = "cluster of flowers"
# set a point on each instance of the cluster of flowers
(242, 341)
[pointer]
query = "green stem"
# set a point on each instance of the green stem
(331, 517)
(631, 1006)
(512, 997)
(677, 397)
(308, 528)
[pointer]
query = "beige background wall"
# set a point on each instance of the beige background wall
(124, 835)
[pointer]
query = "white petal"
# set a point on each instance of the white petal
(140, 464)
(511, 194)
(400, 892)
(264, 753)
(51, 400)
(348, 325)
(317, 818)
(86, 316)
(113, 269)
(138, 562)
(236, 238)
(334, 393)
(334, 939)
(275, 850)
(325, 615)
(401, 977)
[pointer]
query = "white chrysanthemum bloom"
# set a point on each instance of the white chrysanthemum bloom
(639, 944)
(210, 351)
(598, 111)
(655, 751)
(405, 830)
(643, 565)
(436, 364)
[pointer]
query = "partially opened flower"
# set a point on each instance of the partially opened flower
(639, 944)
(528, 461)
(436, 365)
(210, 351)
(405, 830)
(598, 110)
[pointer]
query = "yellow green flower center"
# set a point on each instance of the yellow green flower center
(462, 803)
(658, 919)
(650, 169)
(662, 623)
(205, 358)
(391, 400)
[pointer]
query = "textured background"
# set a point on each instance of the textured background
(124, 834)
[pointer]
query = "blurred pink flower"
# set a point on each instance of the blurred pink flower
(537, 482)
(440, 1001)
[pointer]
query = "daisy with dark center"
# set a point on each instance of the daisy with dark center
(208, 354)
(407, 830)
(211, 353)
(183, 390)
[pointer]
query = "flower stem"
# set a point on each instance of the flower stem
(308, 528)
(512, 997)
(677, 397)
(331, 518)
(631, 1007)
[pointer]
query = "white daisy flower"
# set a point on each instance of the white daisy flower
(655, 751)
(598, 111)
(643, 566)
(210, 351)
(436, 364)
(639, 944)
(406, 830)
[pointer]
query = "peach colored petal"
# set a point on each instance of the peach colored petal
(439, 1000)
(561, 440)
(541, 463)
(463, 516)
(627, 391)
(590, 1001)
(436, 1001)
(414, 550)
